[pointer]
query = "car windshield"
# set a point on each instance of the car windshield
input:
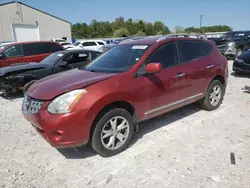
(52, 59)
(76, 43)
(233, 35)
(119, 59)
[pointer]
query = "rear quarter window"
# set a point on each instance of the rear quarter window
(40, 48)
(191, 50)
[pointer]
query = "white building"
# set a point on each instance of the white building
(20, 22)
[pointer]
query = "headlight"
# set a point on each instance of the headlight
(231, 44)
(66, 102)
(239, 60)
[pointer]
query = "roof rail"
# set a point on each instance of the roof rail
(188, 35)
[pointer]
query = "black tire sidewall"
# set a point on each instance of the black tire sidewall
(96, 142)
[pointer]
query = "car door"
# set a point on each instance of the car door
(65, 63)
(198, 61)
(167, 88)
(33, 52)
(81, 59)
(11, 55)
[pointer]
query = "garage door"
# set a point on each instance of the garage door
(26, 33)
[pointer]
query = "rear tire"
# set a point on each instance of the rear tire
(214, 96)
(113, 132)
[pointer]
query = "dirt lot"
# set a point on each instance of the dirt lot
(186, 148)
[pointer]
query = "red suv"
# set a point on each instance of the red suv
(137, 80)
(27, 52)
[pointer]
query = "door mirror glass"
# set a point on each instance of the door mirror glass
(153, 68)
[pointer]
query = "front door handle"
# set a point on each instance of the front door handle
(180, 75)
(210, 66)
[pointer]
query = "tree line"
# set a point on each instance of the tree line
(120, 27)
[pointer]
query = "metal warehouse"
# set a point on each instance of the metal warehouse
(20, 22)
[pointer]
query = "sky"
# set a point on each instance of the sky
(185, 13)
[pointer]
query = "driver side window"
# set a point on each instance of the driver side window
(77, 58)
(13, 51)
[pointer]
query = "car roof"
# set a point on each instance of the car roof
(141, 40)
(154, 39)
(90, 40)
(77, 50)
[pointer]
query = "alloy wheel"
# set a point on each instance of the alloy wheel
(115, 133)
(215, 95)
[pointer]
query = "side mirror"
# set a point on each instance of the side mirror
(153, 68)
(63, 64)
(2, 56)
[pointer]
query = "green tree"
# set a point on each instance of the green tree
(140, 33)
(130, 26)
(121, 32)
(159, 26)
(179, 29)
(149, 28)
(118, 23)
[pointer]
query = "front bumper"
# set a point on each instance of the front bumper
(60, 131)
(241, 67)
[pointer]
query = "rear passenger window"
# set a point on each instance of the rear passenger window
(100, 43)
(89, 44)
(192, 50)
(165, 54)
(40, 48)
(50, 47)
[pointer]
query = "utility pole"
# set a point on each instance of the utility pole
(201, 22)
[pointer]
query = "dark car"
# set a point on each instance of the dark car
(232, 44)
(19, 52)
(135, 81)
(14, 77)
(242, 63)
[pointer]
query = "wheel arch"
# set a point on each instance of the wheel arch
(116, 104)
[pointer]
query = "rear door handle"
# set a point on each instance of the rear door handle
(180, 75)
(210, 66)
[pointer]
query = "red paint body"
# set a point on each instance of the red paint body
(144, 93)
(26, 59)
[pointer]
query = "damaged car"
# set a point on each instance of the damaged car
(14, 77)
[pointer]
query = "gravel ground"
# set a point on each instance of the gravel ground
(185, 148)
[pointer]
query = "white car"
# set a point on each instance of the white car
(67, 45)
(95, 45)
(58, 40)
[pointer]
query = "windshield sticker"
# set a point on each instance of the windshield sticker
(59, 55)
(139, 47)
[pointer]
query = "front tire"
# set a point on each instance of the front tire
(214, 96)
(113, 132)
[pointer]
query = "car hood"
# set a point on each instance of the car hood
(245, 56)
(225, 40)
(19, 67)
(54, 85)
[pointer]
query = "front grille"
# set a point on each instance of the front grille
(31, 106)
